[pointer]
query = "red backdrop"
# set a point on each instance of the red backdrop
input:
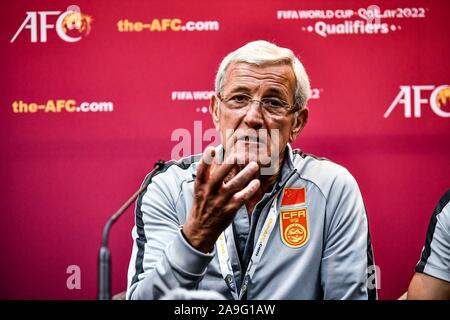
(67, 165)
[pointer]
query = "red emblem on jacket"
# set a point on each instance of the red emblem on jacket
(294, 227)
(293, 196)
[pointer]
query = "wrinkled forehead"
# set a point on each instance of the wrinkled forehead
(274, 74)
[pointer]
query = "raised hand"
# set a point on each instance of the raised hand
(216, 202)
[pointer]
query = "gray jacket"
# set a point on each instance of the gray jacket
(325, 254)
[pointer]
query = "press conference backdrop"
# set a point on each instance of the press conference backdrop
(93, 93)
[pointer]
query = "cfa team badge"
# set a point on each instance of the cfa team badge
(294, 227)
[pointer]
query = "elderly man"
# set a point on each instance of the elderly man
(254, 219)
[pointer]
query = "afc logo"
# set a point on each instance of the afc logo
(411, 99)
(70, 25)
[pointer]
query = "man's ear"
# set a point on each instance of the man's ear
(300, 120)
(214, 109)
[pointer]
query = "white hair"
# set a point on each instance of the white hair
(262, 53)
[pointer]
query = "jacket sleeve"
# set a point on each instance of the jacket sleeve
(347, 258)
(435, 257)
(161, 258)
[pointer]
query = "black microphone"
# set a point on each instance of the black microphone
(104, 256)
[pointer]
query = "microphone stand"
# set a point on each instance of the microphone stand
(104, 257)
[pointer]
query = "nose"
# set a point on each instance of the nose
(254, 118)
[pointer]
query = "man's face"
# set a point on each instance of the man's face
(254, 133)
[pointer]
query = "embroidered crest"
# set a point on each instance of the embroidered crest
(294, 227)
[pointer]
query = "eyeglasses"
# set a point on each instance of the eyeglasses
(272, 105)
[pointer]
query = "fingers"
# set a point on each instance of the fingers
(245, 194)
(239, 189)
(221, 171)
(204, 165)
(214, 202)
(241, 180)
